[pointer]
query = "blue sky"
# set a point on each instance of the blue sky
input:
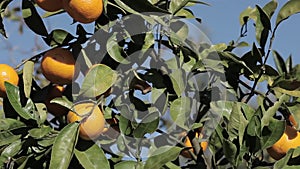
(220, 21)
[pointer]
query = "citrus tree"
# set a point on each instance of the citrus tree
(147, 89)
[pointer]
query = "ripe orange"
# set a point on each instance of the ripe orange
(188, 143)
(91, 120)
(84, 11)
(289, 139)
(7, 73)
(50, 5)
(53, 108)
(58, 66)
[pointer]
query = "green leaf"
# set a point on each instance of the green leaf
(8, 124)
(161, 156)
(114, 50)
(178, 80)
(39, 133)
(64, 101)
(41, 113)
(284, 161)
(268, 115)
(272, 133)
(254, 125)
(98, 80)
(12, 150)
(294, 93)
(230, 151)
(263, 26)
(93, 157)
(7, 137)
(270, 7)
(128, 164)
(58, 37)
(125, 125)
(290, 8)
(27, 77)
(237, 122)
(180, 110)
(148, 124)
(2, 29)
(14, 98)
(245, 15)
(279, 62)
(33, 19)
(63, 147)
(289, 64)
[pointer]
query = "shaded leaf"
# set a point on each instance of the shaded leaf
(262, 26)
(279, 62)
(230, 151)
(272, 133)
(148, 124)
(33, 19)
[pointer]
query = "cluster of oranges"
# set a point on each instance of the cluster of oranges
(58, 66)
(84, 11)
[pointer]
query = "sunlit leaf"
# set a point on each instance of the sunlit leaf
(161, 156)
(38, 133)
(63, 147)
(93, 157)
(270, 8)
(14, 98)
(27, 77)
(180, 110)
(268, 115)
(98, 80)
(114, 50)
(288, 9)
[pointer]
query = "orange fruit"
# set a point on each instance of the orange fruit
(289, 139)
(91, 120)
(84, 11)
(53, 108)
(188, 143)
(58, 66)
(7, 74)
(50, 5)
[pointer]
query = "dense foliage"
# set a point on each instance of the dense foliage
(157, 84)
